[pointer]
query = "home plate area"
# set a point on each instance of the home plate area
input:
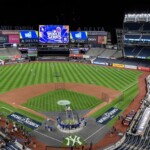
(57, 133)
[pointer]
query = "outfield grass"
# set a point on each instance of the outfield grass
(21, 75)
(7, 109)
(48, 101)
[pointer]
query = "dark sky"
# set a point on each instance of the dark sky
(95, 13)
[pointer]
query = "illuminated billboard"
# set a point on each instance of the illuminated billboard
(28, 36)
(92, 39)
(102, 39)
(78, 36)
(13, 38)
(53, 34)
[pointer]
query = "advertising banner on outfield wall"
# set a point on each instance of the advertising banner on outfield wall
(107, 116)
(24, 120)
(143, 68)
(118, 65)
(130, 66)
(101, 63)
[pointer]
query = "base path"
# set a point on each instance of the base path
(16, 97)
(21, 95)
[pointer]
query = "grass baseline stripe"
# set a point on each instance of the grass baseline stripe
(130, 86)
(7, 109)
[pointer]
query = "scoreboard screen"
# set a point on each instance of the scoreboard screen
(54, 34)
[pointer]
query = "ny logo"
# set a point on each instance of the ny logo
(72, 140)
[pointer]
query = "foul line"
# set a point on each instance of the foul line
(48, 136)
(94, 133)
(7, 109)
(130, 86)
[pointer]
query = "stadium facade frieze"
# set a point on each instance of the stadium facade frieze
(16, 28)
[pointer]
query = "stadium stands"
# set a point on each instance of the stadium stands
(131, 51)
(144, 52)
(108, 53)
(146, 27)
(9, 52)
(136, 33)
(132, 26)
(117, 54)
(94, 52)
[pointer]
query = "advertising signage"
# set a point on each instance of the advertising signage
(107, 116)
(3, 39)
(54, 34)
(100, 33)
(10, 36)
(78, 36)
(28, 36)
(16, 27)
(14, 38)
(24, 120)
(102, 39)
(7, 32)
(92, 39)
(32, 51)
(28, 40)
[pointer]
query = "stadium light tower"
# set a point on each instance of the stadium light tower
(137, 17)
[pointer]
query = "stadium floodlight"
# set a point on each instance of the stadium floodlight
(139, 17)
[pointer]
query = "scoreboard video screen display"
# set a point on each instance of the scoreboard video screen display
(78, 36)
(28, 36)
(54, 34)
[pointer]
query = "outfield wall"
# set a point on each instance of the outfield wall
(117, 65)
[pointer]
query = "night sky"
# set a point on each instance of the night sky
(107, 14)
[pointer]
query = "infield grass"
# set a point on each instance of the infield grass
(48, 101)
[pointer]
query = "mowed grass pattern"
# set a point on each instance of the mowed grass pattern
(21, 75)
(48, 101)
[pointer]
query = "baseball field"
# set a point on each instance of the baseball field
(22, 76)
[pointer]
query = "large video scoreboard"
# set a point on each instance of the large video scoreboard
(54, 34)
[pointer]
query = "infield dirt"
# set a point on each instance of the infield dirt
(18, 96)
